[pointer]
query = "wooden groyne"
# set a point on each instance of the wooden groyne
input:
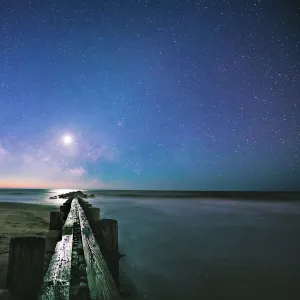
(78, 258)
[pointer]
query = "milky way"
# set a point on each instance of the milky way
(155, 94)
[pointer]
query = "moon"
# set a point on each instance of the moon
(67, 139)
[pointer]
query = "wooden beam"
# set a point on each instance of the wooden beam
(79, 285)
(56, 284)
(100, 280)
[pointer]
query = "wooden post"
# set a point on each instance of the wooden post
(87, 208)
(53, 236)
(65, 210)
(106, 234)
(56, 218)
(94, 216)
(25, 268)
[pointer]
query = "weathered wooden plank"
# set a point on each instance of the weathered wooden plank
(100, 280)
(79, 285)
(56, 284)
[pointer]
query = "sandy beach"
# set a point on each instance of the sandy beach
(20, 219)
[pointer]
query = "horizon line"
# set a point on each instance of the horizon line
(153, 190)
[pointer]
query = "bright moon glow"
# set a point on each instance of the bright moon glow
(67, 139)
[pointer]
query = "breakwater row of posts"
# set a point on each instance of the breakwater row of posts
(78, 258)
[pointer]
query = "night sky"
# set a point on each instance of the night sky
(137, 94)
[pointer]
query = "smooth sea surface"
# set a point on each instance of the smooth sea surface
(200, 249)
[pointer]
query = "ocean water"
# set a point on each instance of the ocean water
(200, 249)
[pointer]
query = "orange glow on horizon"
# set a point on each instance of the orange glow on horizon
(36, 184)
